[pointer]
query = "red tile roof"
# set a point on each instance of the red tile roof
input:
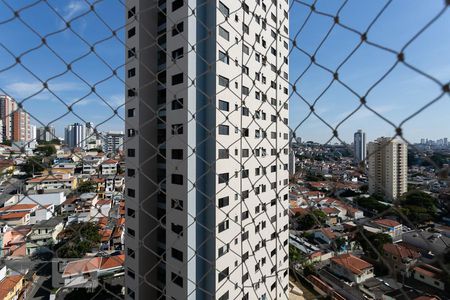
(8, 283)
(14, 215)
(355, 264)
(400, 251)
(387, 222)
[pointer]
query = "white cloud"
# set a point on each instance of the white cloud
(21, 90)
(74, 8)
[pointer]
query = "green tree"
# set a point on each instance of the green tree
(33, 165)
(47, 150)
(86, 187)
(371, 203)
(419, 207)
(372, 243)
(78, 239)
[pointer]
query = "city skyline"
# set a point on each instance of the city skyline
(389, 98)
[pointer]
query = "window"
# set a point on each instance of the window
(224, 201)
(131, 72)
(245, 28)
(224, 9)
(225, 296)
(131, 112)
(131, 12)
(177, 79)
(131, 253)
(224, 153)
(130, 293)
(177, 179)
(131, 212)
(131, 132)
(245, 152)
(224, 225)
(177, 204)
(177, 254)
(223, 274)
(131, 192)
(224, 105)
(245, 91)
(177, 104)
(224, 177)
(245, 111)
(224, 249)
(223, 57)
(223, 33)
(131, 172)
(245, 173)
(245, 49)
(131, 152)
(131, 231)
(223, 81)
(224, 130)
(177, 153)
(178, 280)
(176, 4)
(177, 129)
(132, 32)
(131, 92)
(131, 52)
(178, 53)
(179, 28)
(178, 229)
(131, 273)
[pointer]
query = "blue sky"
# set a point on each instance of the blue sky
(398, 96)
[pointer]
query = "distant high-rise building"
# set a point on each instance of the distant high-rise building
(113, 141)
(75, 136)
(388, 167)
(21, 127)
(219, 180)
(445, 141)
(33, 132)
(422, 141)
(359, 144)
(46, 134)
(7, 107)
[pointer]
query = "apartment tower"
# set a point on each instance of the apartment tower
(388, 167)
(75, 135)
(207, 149)
(359, 146)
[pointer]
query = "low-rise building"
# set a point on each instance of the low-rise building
(429, 275)
(401, 258)
(43, 234)
(52, 182)
(351, 268)
(84, 273)
(390, 227)
(109, 167)
(12, 287)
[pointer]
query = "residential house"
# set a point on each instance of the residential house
(429, 244)
(401, 258)
(325, 235)
(101, 208)
(351, 267)
(43, 234)
(390, 227)
(14, 241)
(109, 167)
(84, 273)
(52, 182)
(12, 288)
(429, 275)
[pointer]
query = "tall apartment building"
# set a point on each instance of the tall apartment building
(207, 149)
(359, 146)
(46, 134)
(75, 135)
(7, 108)
(388, 167)
(113, 141)
(21, 127)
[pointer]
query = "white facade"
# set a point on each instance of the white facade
(239, 237)
(359, 144)
(113, 141)
(388, 167)
(46, 134)
(75, 136)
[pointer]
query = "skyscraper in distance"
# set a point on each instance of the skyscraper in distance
(388, 167)
(75, 135)
(207, 147)
(359, 146)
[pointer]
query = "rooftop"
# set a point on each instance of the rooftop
(8, 283)
(400, 251)
(355, 264)
(387, 223)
